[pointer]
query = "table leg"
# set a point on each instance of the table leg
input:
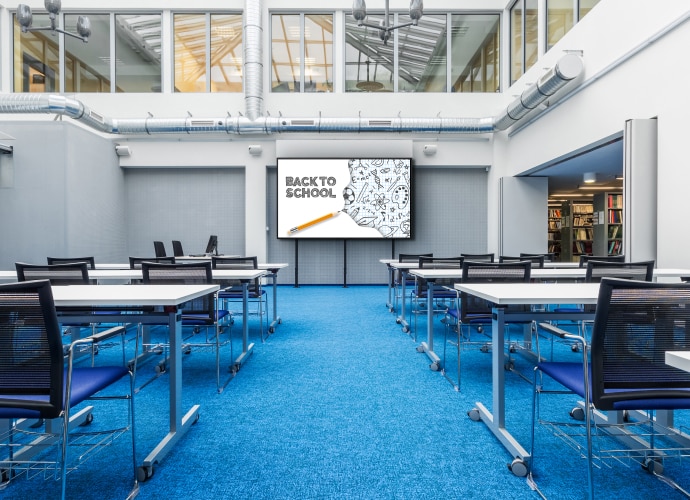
(179, 424)
(391, 285)
(403, 292)
(247, 348)
(276, 319)
(428, 346)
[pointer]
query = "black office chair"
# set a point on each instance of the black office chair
(548, 256)
(231, 290)
(622, 369)
(478, 257)
(536, 260)
(135, 262)
(177, 248)
(90, 261)
(472, 312)
(409, 281)
(73, 273)
(36, 384)
(603, 258)
(200, 313)
(159, 249)
(444, 293)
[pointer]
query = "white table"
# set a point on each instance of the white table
(167, 299)
(244, 275)
(678, 359)
(504, 294)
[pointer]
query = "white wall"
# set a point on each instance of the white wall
(650, 83)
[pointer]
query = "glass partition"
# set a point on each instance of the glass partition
(36, 58)
(138, 53)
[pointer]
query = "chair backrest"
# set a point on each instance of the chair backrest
(187, 273)
(641, 271)
(90, 261)
(603, 258)
(159, 249)
(478, 257)
(135, 262)
(75, 273)
(496, 272)
(635, 323)
(440, 263)
(536, 260)
(490, 272)
(31, 356)
(251, 262)
(548, 256)
(177, 248)
(412, 257)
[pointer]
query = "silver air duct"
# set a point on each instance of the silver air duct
(253, 57)
(567, 68)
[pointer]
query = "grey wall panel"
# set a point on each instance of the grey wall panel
(66, 197)
(450, 218)
(186, 205)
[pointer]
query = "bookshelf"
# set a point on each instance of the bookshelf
(555, 219)
(577, 233)
(608, 223)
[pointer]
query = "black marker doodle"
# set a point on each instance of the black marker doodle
(383, 204)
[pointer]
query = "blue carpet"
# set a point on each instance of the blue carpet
(338, 404)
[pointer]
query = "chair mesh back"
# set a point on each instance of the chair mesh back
(548, 257)
(440, 263)
(604, 258)
(159, 249)
(177, 248)
(237, 263)
(478, 257)
(536, 260)
(635, 324)
(641, 271)
(59, 274)
(490, 272)
(196, 273)
(135, 262)
(31, 359)
(90, 261)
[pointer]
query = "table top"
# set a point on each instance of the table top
(125, 265)
(533, 293)
(129, 274)
(128, 295)
(544, 274)
(678, 359)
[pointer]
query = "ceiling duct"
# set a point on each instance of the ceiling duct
(255, 123)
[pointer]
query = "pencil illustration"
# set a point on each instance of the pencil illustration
(312, 222)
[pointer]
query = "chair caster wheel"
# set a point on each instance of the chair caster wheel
(577, 413)
(144, 473)
(435, 367)
(509, 366)
(484, 348)
(575, 348)
(518, 467)
(87, 420)
(405, 329)
(474, 415)
(397, 320)
(271, 329)
(161, 368)
(480, 329)
(653, 466)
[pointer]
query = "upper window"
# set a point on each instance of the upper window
(132, 65)
(561, 15)
(208, 52)
(416, 58)
(523, 37)
(302, 52)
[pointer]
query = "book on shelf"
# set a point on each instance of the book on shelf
(614, 232)
(615, 201)
(615, 216)
(615, 247)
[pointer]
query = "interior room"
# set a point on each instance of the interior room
(326, 142)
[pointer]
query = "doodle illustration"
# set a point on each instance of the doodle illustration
(378, 196)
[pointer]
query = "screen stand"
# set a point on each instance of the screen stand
(344, 263)
(296, 263)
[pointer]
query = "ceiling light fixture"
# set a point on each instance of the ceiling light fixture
(25, 20)
(359, 12)
(589, 177)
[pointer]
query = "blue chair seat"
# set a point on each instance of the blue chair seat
(85, 382)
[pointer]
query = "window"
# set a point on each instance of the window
(36, 61)
(559, 19)
(475, 52)
(523, 37)
(87, 67)
(302, 53)
(198, 35)
(138, 53)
